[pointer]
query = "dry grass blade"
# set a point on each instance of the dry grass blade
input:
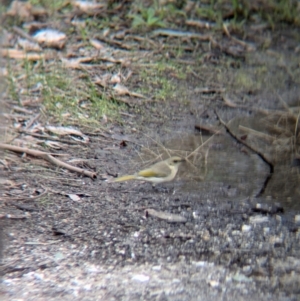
(200, 146)
(258, 134)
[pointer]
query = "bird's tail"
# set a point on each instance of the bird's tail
(124, 178)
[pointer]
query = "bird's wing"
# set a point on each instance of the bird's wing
(157, 171)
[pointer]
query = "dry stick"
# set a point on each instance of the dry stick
(270, 164)
(23, 34)
(47, 157)
(32, 121)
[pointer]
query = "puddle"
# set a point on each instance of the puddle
(220, 168)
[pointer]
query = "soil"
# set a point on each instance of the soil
(75, 238)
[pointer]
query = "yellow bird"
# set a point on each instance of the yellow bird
(163, 171)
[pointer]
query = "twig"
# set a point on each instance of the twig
(48, 137)
(270, 164)
(47, 157)
(23, 34)
(206, 129)
(32, 121)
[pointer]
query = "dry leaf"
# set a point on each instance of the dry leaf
(102, 81)
(115, 79)
(97, 44)
(88, 7)
(50, 38)
(76, 63)
(74, 197)
(24, 11)
(122, 90)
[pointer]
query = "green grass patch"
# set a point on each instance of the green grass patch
(159, 80)
(66, 95)
(51, 6)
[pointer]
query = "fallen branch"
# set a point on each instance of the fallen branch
(47, 157)
(269, 163)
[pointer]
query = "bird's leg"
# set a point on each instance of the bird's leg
(174, 190)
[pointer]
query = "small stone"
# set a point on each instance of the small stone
(241, 278)
(246, 228)
(140, 278)
(258, 219)
(297, 219)
(214, 283)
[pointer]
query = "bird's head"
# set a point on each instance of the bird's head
(174, 161)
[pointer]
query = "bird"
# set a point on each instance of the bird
(161, 172)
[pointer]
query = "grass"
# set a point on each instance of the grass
(240, 12)
(83, 101)
(63, 97)
(147, 17)
(51, 6)
(159, 80)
